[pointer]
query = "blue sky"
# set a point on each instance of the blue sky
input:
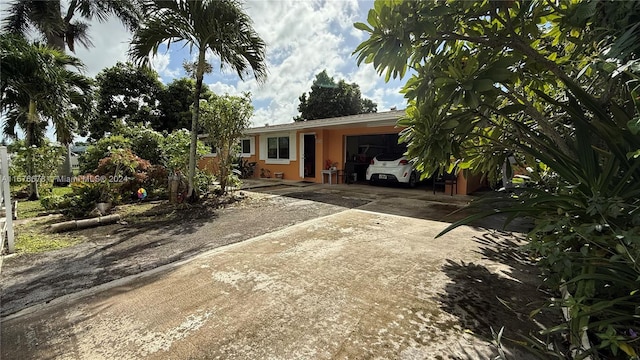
(303, 37)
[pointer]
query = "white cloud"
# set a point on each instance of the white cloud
(302, 37)
(160, 63)
(221, 88)
(110, 44)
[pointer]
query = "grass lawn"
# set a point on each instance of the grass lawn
(32, 237)
(29, 209)
(35, 237)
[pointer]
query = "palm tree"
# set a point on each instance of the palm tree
(60, 28)
(37, 87)
(219, 26)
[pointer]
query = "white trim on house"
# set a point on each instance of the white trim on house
(264, 148)
(252, 146)
(302, 152)
(387, 118)
(369, 120)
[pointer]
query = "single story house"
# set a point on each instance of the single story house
(302, 150)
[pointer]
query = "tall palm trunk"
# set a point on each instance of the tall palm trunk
(32, 118)
(56, 40)
(194, 122)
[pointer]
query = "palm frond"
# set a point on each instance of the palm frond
(40, 75)
(220, 26)
(77, 32)
(41, 15)
(127, 11)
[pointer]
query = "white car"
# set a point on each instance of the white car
(392, 167)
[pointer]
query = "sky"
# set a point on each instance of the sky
(303, 38)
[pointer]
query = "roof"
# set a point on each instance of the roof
(371, 119)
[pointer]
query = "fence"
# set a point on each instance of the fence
(6, 222)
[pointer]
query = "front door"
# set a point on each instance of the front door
(309, 152)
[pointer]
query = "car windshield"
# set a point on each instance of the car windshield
(389, 156)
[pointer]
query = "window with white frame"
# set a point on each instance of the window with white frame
(278, 147)
(245, 147)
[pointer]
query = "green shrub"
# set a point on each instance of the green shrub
(145, 142)
(47, 159)
(90, 160)
(176, 151)
(202, 181)
(85, 196)
(52, 202)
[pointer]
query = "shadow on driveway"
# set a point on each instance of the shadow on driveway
(418, 203)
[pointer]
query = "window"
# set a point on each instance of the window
(245, 145)
(278, 147)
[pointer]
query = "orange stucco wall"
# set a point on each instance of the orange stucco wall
(330, 145)
(472, 182)
(210, 163)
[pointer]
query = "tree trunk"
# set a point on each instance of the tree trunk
(56, 40)
(29, 140)
(224, 167)
(191, 194)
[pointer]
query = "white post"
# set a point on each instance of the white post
(6, 191)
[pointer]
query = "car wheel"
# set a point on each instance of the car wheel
(372, 182)
(413, 180)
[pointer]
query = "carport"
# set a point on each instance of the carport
(360, 149)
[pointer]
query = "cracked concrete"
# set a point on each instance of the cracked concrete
(350, 285)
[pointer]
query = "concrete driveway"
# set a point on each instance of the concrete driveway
(351, 285)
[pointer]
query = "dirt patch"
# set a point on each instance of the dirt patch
(143, 242)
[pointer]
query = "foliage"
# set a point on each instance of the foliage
(51, 202)
(90, 160)
(329, 99)
(225, 119)
(244, 168)
(157, 181)
(37, 87)
(489, 80)
(122, 163)
(85, 195)
(125, 93)
(145, 142)
(46, 161)
(221, 27)
(124, 171)
(60, 26)
(176, 151)
(34, 208)
(203, 180)
(175, 105)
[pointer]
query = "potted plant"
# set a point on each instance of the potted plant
(330, 165)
